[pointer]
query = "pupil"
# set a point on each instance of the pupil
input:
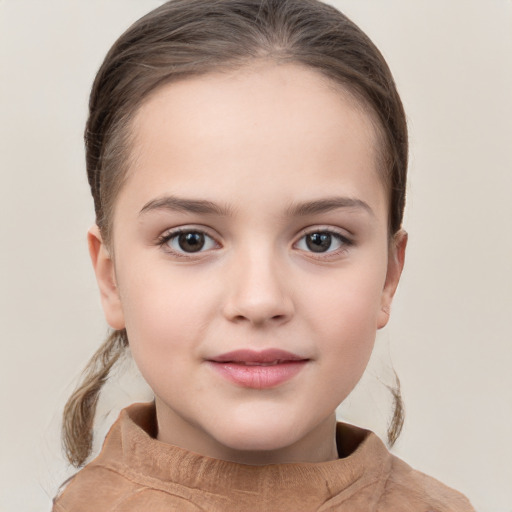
(191, 242)
(319, 242)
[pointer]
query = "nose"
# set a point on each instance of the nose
(258, 291)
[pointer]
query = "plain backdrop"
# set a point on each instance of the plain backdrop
(450, 338)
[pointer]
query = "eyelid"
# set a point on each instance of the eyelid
(171, 233)
(343, 233)
(345, 239)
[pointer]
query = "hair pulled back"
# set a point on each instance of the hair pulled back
(185, 38)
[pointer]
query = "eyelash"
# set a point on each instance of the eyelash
(165, 238)
(344, 241)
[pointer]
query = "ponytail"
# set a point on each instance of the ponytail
(80, 409)
(397, 420)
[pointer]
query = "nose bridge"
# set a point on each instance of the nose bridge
(258, 291)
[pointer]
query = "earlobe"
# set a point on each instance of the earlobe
(396, 260)
(105, 276)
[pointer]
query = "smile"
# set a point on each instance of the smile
(258, 370)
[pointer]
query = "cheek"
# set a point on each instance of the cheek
(344, 313)
(349, 297)
(165, 316)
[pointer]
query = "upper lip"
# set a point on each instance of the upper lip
(269, 355)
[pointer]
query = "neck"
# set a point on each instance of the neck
(317, 445)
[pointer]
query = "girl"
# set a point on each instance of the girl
(247, 160)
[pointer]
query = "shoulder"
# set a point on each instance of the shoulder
(102, 489)
(115, 480)
(386, 483)
(405, 489)
(93, 488)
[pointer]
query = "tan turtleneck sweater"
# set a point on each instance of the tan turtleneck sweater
(136, 473)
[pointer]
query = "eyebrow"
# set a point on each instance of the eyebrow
(180, 204)
(202, 206)
(327, 205)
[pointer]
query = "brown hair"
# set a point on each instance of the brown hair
(184, 38)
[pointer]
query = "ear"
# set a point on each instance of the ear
(396, 259)
(105, 276)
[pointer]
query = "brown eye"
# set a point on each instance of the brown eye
(319, 242)
(191, 242)
(323, 242)
(188, 241)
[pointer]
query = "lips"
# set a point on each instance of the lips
(258, 370)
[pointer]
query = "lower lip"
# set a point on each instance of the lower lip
(256, 376)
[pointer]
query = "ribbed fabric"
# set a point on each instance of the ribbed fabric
(136, 473)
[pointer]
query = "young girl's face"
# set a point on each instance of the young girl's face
(250, 261)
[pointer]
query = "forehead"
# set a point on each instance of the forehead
(280, 124)
(289, 90)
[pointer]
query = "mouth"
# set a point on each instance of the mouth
(258, 369)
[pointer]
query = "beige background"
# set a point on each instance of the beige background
(450, 338)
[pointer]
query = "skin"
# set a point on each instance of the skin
(256, 143)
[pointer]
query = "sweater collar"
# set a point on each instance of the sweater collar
(130, 448)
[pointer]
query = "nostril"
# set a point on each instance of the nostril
(258, 305)
(258, 319)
